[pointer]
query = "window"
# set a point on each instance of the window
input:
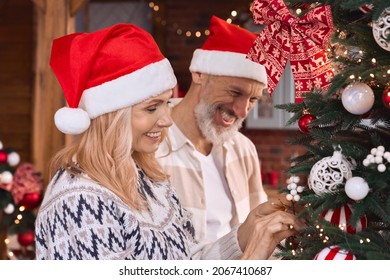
(265, 115)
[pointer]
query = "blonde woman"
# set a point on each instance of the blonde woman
(108, 198)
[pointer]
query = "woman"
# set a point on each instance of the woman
(108, 198)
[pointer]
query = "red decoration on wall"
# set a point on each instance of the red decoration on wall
(302, 40)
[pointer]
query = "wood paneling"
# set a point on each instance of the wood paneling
(16, 82)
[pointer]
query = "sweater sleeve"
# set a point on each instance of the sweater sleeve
(81, 224)
(225, 248)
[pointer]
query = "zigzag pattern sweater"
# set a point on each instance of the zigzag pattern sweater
(80, 219)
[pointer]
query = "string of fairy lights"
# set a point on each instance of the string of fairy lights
(184, 31)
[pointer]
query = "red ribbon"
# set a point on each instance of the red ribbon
(302, 40)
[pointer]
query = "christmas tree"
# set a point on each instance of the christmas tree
(20, 194)
(340, 185)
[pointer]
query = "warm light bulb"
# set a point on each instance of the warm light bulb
(352, 77)
(233, 13)
(373, 60)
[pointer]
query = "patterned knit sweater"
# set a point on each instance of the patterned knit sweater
(80, 219)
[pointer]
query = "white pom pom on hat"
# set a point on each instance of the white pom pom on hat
(107, 70)
(72, 120)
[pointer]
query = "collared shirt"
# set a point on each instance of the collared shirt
(239, 161)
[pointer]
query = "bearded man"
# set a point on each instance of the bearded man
(213, 167)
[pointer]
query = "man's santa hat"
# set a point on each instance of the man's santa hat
(224, 53)
(107, 70)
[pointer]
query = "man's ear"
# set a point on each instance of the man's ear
(197, 77)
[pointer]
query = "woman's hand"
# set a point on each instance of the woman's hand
(264, 228)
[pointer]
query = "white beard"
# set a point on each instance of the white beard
(204, 114)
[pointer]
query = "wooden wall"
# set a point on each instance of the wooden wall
(16, 79)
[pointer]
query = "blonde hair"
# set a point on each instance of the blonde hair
(104, 152)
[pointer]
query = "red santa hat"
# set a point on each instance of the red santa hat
(107, 70)
(224, 53)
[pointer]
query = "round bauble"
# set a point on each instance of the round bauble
(304, 121)
(328, 173)
(334, 253)
(27, 238)
(340, 217)
(31, 200)
(13, 159)
(6, 177)
(356, 188)
(381, 29)
(9, 209)
(386, 97)
(3, 156)
(358, 98)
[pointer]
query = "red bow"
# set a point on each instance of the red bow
(303, 40)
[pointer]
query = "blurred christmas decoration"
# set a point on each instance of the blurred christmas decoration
(346, 204)
(386, 97)
(20, 193)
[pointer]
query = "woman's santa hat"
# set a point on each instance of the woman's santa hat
(224, 53)
(107, 70)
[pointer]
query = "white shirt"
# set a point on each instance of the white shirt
(219, 207)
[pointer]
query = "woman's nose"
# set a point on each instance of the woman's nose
(165, 120)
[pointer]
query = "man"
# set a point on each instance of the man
(214, 168)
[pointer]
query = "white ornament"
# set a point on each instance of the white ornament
(9, 209)
(1, 145)
(13, 159)
(377, 156)
(381, 168)
(356, 188)
(358, 98)
(293, 188)
(328, 173)
(381, 29)
(6, 177)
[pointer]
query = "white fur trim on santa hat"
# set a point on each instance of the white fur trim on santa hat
(129, 89)
(224, 63)
(71, 120)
